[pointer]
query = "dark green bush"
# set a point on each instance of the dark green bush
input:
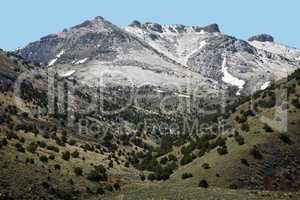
(222, 150)
(75, 154)
(151, 177)
(245, 162)
(52, 157)
(205, 166)
(256, 153)
(203, 183)
(32, 147)
(239, 139)
(53, 148)
(117, 186)
(78, 171)
(66, 155)
(164, 160)
(186, 176)
(20, 147)
(172, 157)
(43, 158)
(267, 128)
(285, 138)
(100, 191)
(143, 177)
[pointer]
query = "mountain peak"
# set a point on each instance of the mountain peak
(136, 23)
(212, 28)
(176, 28)
(96, 23)
(262, 38)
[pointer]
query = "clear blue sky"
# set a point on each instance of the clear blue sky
(23, 21)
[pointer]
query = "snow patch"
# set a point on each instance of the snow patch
(201, 45)
(53, 61)
(182, 95)
(265, 85)
(69, 73)
(81, 61)
(160, 91)
(228, 78)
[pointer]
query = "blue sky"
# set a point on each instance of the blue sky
(23, 21)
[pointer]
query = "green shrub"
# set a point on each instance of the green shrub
(57, 167)
(66, 155)
(186, 159)
(75, 154)
(233, 186)
(11, 135)
(100, 191)
(78, 171)
(4, 142)
(98, 174)
(285, 138)
(203, 183)
(256, 153)
(245, 162)
(296, 103)
(267, 128)
(222, 150)
(186, 176)
(172, 157)
(143, 177)
(239, 139)
(32, 147)
(52, 157)
(43, 158)
(111, 164)
(245, 127)
(221, 141)
(205, 166)
(164, 160)
(22, 140)
(151, 177)
(20, 148)
(117, 186)
(42, 144)
(53, 148)
(72, 142)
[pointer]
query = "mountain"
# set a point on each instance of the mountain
(116, 113)
(164, 54)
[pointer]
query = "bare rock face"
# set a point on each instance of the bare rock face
(262, 38)
(136, 23)
(213, 28)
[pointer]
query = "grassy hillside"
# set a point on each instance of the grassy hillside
(255, 156)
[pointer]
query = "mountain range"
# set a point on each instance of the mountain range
(190, 56)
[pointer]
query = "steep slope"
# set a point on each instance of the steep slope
(98, 48)
(204, 49)
(255, 154)
(42, 156)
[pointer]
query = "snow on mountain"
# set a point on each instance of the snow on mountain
(178, 42)
(52, 62)
(69, 73)
(81, 61)
(265, 85)
(228, 78)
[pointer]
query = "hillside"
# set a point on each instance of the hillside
(261, 154)
(43, 158)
